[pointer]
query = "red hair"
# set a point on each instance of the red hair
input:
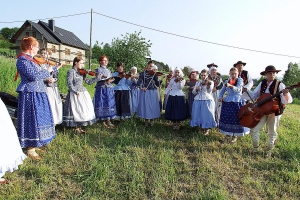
(27, 41)
(102, 57)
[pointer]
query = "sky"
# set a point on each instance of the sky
(269, 25)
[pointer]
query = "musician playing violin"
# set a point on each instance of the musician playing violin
(269, 85)
(148, 106)
(122, 92)
(229, 123)
(52, 89)
(134, 89)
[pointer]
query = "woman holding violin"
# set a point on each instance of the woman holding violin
(35, 119)
(104, 98)
(122, 93)
(203, 110)
(229, 123)
(78, 107)
(148, 107)
(269, 86)
(176, 109)
(51, 86)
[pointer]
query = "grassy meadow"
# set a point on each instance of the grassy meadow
(139, 162)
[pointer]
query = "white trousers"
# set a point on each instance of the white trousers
(272, 122)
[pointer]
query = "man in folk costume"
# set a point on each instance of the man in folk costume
(248, 82)
(269, 85)
(215, 76)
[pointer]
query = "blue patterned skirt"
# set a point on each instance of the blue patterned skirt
(229, 123)
(134, 99)
(104, 103)
(123, 104)
(176, 108)
(203, 114)
(35, 120)
(148, 107)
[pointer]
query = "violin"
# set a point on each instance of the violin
(152, 72)
(178, 79)
(84, 72)
(41, 60)
(250, 114)
(206, 82)
(124, 74)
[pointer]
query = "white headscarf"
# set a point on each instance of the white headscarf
(154, 67)
(171, 69)
(211, 68)
(133, 68)
(180, 71)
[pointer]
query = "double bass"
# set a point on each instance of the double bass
(250, 114)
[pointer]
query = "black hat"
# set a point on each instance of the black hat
(212, 64)
(239, 62)
(270, 68)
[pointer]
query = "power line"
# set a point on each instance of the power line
(195, 39)
(47, 18)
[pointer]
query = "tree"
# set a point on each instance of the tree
(7, 33)
(291, 77)
(225, 77)
(132, 50)
(187, 70)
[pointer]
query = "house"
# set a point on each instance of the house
(62, 45)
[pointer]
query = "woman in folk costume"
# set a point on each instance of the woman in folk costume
(148, 107)
(203, 112)
(218, 84)
(52, 90)
(11, 154)
(104, 98)
(155, 69)
(190, 87)
(271, 86)
(134, 89)
(122, 93)
(229, 123)
(168, 79)
(78, 107)
(35, 120)
(176, 109)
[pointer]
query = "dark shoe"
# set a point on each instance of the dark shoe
(254, 151)
(206, 132)
(225, 139)
(234, 139)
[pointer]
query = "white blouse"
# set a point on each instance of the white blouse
(203, 93)
(175, 88)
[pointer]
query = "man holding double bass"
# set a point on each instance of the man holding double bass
(272, 86)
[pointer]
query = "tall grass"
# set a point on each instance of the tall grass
(139, 162)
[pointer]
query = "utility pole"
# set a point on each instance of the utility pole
(91, 30)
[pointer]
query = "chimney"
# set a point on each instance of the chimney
(51, 24)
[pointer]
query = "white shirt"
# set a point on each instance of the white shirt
(175, 88)
(203, 93)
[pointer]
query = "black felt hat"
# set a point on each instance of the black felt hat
(239, 62)
(270, 68)
(212, 64)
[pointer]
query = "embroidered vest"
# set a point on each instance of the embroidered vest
(264, 85)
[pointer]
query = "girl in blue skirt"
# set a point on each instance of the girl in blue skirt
(35, 120)
(176, 109)
(203, 114)
(229, 124)
(104, 98)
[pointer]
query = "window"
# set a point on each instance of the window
(34, 34)
(67, 51)
(79, 54)
(27, 34)
(53, 49)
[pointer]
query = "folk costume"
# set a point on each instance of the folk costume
(271, 120)
(11, 154)
(229, 124)
(203, 112)
(148, 106)
(248, 82)
(35, 119)
(122, 96)
(135, 91)
(78, 109)
(104, 98)
(190, 95)
(218, 84)
(54, 95)
(176, 108)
